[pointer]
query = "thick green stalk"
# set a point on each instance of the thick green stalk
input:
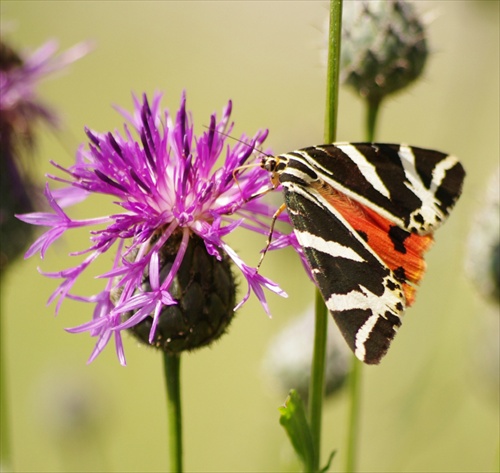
(372, 109)
(333, 69)
(316, 392)
(317, 386)
(172, 378)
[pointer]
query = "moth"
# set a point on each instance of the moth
(364, 214)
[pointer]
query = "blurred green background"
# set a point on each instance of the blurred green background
(432, 405)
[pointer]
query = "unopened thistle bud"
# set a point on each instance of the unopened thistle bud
(384, 47)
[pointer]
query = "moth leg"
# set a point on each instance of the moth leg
(270, 235)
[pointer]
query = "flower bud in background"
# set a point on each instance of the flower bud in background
(384, 47)
(20, 111)
(170, 281)
(483, 252)
(482, 265)
(287, 362)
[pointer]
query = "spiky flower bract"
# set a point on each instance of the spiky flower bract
(164, 183)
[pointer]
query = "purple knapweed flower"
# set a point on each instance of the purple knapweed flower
(20, 110)
(173, 206)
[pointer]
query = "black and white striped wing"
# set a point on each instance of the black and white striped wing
(362, 293)
(412, 187)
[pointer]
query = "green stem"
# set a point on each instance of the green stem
(316, 388)
(354, 414)
(496, 467)
(316, 392)
(372, 111)
(333, 69)
(5, 452)
(172, 377)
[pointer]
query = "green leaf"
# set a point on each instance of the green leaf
(328, 463)
(294, 421)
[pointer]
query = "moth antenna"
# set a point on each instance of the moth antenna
(227, 135)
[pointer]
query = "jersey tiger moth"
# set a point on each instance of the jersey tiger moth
(364, 214)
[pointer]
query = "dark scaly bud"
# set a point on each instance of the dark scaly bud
(205, 291)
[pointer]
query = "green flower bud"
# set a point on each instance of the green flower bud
(383, 47)
(205, 290)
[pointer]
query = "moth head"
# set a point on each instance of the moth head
(269, 163)
(275, 165)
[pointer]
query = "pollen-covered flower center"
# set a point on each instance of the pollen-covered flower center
(205, 290)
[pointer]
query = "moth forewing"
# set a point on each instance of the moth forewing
(364, 214)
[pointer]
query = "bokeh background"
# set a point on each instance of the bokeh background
(432, 405)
